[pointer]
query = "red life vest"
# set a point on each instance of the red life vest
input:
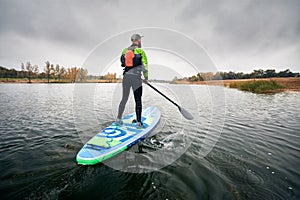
(129, 55)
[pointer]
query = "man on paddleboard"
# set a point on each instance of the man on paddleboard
(134, 61)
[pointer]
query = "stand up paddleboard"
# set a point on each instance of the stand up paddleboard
(115, 139)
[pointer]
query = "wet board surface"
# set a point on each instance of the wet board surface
(115, 139)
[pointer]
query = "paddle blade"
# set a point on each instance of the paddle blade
(186, 114)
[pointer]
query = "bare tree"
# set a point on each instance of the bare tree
(35, 70)
(72, 74)
(82, 74)
(110, 77)
(61, 73)
(57, 68)
(22, 67)
(29, 69)
(22, 70)
(52, 71)
(47, 70)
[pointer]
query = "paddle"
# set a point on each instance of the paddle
(184, 112)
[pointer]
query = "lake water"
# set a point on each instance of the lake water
(240, 146)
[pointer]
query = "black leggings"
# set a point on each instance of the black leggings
(134, 82)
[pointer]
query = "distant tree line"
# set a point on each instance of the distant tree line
(51, 71)
(109, 76)
(270, 73)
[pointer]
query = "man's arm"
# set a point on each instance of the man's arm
(122, 58)
(145, 63)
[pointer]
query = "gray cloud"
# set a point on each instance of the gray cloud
(245, 33)
(239, 35)
(56, 21)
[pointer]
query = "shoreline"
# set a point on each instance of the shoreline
(52, 81)
(290, 84)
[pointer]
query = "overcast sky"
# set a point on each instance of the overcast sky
(237, 35)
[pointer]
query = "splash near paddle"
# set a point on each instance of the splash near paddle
(115, 139)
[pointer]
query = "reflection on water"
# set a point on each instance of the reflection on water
(256, 156)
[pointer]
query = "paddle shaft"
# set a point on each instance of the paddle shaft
(163, 95)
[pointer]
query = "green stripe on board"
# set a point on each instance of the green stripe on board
(94, 161)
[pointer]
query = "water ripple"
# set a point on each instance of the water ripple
(255, 157)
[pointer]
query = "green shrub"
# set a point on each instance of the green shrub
(258, 86)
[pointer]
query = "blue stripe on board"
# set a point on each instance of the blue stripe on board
(147, 111)
(95, 147)
(127, 138)
(128, 125)
(128, 116)
(104, 131)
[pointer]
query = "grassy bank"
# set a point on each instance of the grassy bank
(289, 84)
(266, 86)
